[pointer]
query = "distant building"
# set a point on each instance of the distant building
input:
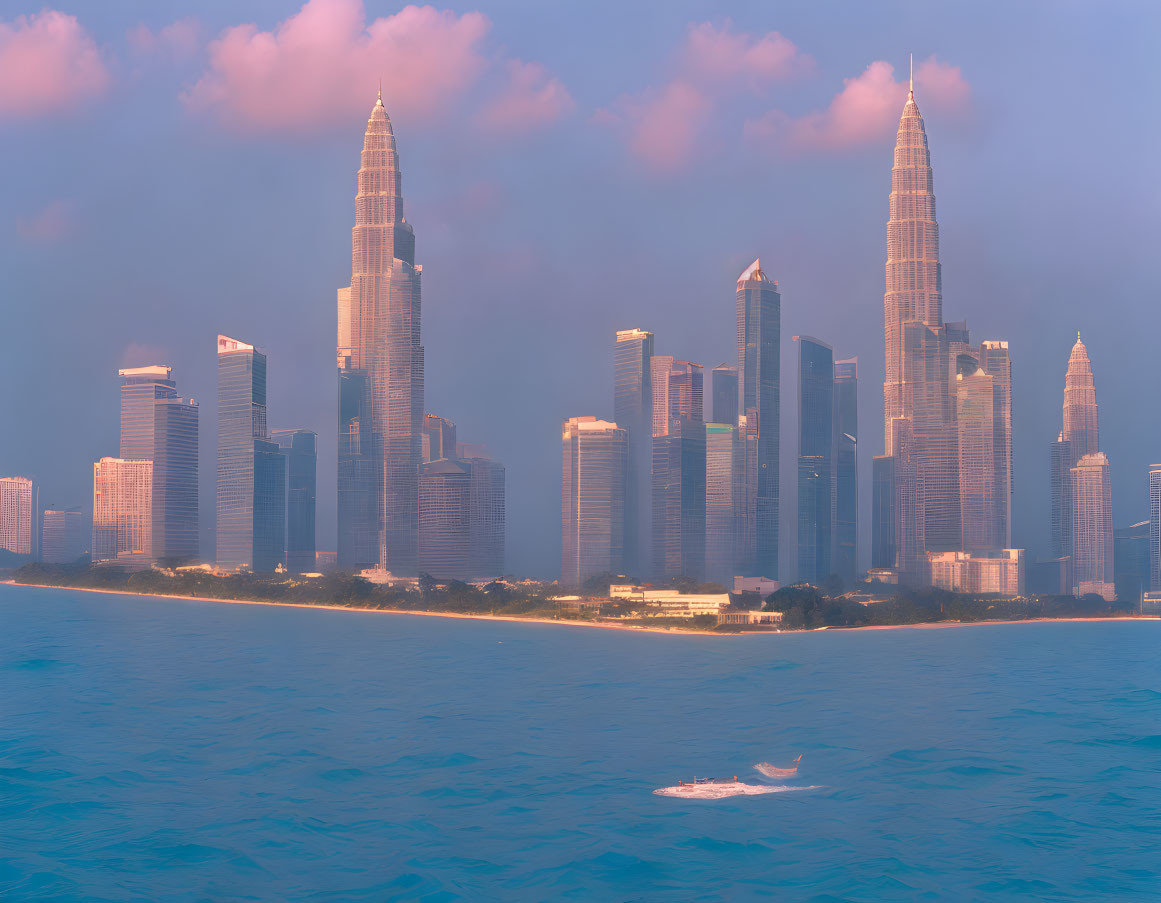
(633, 412)
(251, 498)
(980, 518)
(300, 448)
(759, 321)
(1154, 584)
(815, 459)
(1131, 562)
(724, 394)
(671, 602)
(488, 516)
(158, 425)
(438, 439)
(123, 511)
(63, 536)
(883, 532)
(19, 516)
(995, 361)
(1092, 531)
(592, 510)
(679, 499)
(846, 483)
(445, 538)
(724, 484)
(962, 572)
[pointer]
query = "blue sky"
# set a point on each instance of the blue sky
(570, 170)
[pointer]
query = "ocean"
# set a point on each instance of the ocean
(187, 751)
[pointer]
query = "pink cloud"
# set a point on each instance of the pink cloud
(53, 223)
(865, 111)
(306, 73)
(722, 54)
(180, 39)
(48, 62)
(664, 128)
(532, 97)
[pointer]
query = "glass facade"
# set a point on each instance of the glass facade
(445, 528)
(724, 394)
(122, 510)
(592, 510)
(488, 519)
(846, 484)
(251, 491)
(380, 359)
(633, 412)
(975, 418)
(63, 536)
(1092, 530)
(815, 458)
(438, 439)
(723, 495)
(300, 448)
(759, 319)
(175, 481)
(679, 499)
(1154, 584)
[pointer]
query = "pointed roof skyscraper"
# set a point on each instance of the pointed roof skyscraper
(1081, 428)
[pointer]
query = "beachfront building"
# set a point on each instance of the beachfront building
(62, 536)
(633, 412)
(300, 448)
(592, 509)
(123, 512)
(1092, 528)
(251, 496)
(19, 513)
(380, 361)
(1001, 572)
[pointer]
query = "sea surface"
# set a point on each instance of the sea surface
(186, 751)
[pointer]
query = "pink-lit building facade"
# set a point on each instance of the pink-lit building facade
(19, 516)
(123, 511)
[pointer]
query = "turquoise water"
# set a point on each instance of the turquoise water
(161, 750)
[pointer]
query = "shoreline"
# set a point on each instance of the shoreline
(602, 625)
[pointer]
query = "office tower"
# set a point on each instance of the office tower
(19, 513)
(633, 412)
(815, 458)
(846, 473)
(883, 530)
(445, 541)
(251, 498)
(488, 516)
(1060, 467)
(62, 536)
(976, 422)
(724, 458)
(380, 361)
(678, 391)
(1154, 584)
(1092, 528)
(724, 394)
(995, 361)
(1131, 562)
(759, 312)
(679, 499)
(123, 511)
(158, 425)
(592, 509)
(299, 447)
(438, 439)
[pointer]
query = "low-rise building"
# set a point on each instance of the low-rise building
(670, 602)
(768, 618)
(965, 572)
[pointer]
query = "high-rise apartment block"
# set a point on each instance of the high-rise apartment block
(1092, 528)
(1154, 584)
(251, 496)
(461, 518)
(724, 485)
(123, 512)
(62, 536)
(595, 460)
(19, 516)
(300, 448)
(633, 412)
(380, 360)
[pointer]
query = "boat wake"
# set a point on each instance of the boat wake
(772, 771)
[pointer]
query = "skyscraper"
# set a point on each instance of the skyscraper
(724, 475)
(633, 412)
(445, 534)
(438, 439)
(995, 361)
(380, 359)
(1154, 583)
(846, 484)
(976, 420)
(724, 394)
(158, 425)
(123, 511)
(1092, 528)
(678, 469)
(592, 509)
(251, 497)
(299, 447)
(759, 317)
(19, 513)
(487, 516)
(815, 458)
(62, 536)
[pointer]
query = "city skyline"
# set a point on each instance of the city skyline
(800, 295)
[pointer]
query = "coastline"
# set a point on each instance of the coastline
(671, 631)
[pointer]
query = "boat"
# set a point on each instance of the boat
(711, 789)
(773, 771)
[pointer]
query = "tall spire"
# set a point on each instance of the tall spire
(1081, 423)
(911, 79)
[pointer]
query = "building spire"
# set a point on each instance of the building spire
(911, 79)
(380, 100)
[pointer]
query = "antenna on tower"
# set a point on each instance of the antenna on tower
(911, 79)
